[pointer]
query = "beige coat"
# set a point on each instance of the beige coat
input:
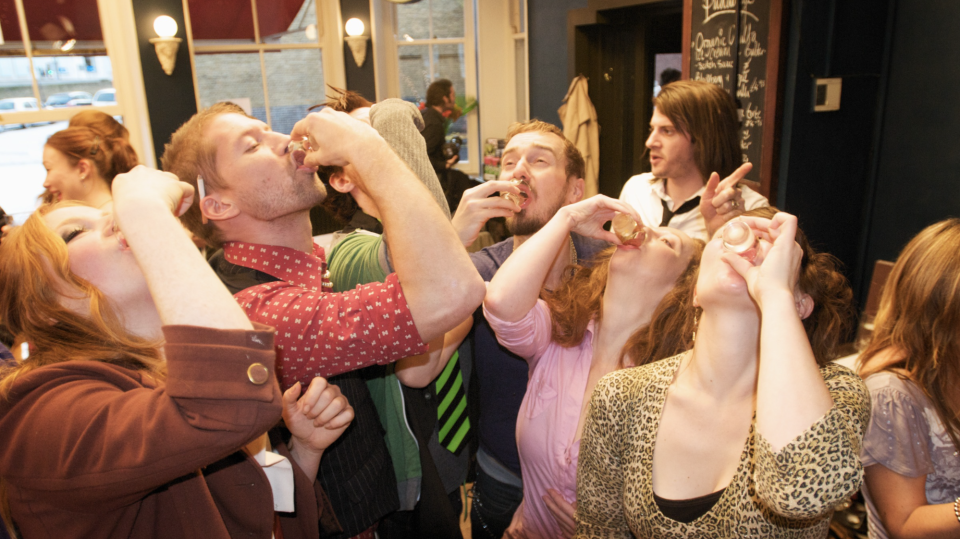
(580, 127)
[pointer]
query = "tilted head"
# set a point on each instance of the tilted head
(663, 270)
(706, 115)
(550, 167)
(64, 275)
(247, 171)
(823, 292)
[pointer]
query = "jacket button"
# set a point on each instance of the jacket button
(258, 374)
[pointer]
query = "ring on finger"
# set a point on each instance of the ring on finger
(734, 204)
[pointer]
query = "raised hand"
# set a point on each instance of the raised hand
(776, 268)
(335, 138)
(587, 217)
(142, 183)
(722, 200)
(477, 206)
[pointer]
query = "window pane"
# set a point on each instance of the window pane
(523, 15)
(294, 82)
(231, 77)
(448, 63)
(21, 167)
(413, 21)
(520, 54)
(414, 67)
(287, 21)
(71, 81)
(221, 22)
(447, 18)
(15, 80)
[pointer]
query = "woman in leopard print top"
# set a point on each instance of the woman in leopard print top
(751, 433)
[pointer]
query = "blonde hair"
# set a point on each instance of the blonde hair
(919, 317)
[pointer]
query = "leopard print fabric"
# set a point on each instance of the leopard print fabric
(789, 494)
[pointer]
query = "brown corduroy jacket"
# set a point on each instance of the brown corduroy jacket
(91, 449)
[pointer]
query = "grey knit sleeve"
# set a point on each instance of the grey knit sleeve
(399, 123)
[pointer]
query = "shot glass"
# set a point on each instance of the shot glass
(739, 239)
(629, 231)
(297, 145)
(510, 197)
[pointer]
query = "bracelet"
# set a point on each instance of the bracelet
(956, 508)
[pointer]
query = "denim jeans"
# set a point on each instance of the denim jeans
(493, 506)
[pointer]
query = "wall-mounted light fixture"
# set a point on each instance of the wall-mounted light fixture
(356, 40)
(166, 44)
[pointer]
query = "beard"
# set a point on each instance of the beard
(302, 195)
(528, 223)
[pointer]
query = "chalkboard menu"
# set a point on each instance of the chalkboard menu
(735, 44)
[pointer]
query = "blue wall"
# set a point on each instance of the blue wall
(548, 56)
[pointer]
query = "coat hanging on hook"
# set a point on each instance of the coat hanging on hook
(580, 126)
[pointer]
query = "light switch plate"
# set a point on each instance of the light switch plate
(826, 94)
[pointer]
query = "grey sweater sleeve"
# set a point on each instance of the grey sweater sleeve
(399, 123)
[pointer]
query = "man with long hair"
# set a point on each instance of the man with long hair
(693, 143)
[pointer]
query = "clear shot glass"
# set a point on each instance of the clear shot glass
(297, 145)
(629, 231)
(510, 197)
(739, 239)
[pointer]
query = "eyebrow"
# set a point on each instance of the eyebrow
(536, 145)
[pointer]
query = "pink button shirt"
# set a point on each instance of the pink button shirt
(319, 333)
(547, 426)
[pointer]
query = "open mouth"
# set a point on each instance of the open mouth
(524, 195)
(298, 156)
(122, 240)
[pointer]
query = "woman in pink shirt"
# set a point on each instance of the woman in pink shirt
(599, 320)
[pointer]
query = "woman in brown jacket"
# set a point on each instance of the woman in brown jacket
(142, 408)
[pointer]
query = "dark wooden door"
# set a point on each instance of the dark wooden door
(616, 52)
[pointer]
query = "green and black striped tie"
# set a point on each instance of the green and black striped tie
(452, 411)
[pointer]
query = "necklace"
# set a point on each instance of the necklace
(573, 253)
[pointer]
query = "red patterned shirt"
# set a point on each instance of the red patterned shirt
(321, 333)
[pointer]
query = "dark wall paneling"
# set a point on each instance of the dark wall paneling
(170, 98)
(549, 78)
(359, 79)
(917, 180)
(824, 172)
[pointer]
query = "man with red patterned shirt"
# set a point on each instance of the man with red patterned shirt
(255, 201)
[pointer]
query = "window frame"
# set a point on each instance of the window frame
(387, 74)
(329, 42)
(117, 25)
